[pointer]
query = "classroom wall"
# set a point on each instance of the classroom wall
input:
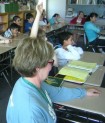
(56, 6)
(100, 9)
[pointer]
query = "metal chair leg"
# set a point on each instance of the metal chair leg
(6, 79)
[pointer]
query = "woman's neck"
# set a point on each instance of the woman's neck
(34, 80)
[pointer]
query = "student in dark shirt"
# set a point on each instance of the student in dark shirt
(29, 22)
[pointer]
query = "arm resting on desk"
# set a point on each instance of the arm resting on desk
(59, 94)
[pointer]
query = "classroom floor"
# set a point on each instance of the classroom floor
(5, 92)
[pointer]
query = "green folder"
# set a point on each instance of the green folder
(54, 81)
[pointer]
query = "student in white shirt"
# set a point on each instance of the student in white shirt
(12, 31)
(67, 52)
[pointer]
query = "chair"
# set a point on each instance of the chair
(88, 47)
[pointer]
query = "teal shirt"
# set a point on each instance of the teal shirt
(26, 105)
(91, 31)
(52, 21)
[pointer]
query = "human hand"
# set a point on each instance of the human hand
(39, 8)
(93, 92)
(8, 41)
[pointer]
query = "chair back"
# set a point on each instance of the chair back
(88, 47)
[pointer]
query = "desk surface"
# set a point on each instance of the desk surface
(76, 25)
(15, 41)
(97, 77)
(4, 49)
(56, 27)
(93, 57)
(102, 32)
(91, 104)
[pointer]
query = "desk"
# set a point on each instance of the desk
(15, 41)
(97, 77)
(4, 49)
(88, 104)
(56, 27)
(76, 29)
(93, 57)
(102, 32)
(6, 53)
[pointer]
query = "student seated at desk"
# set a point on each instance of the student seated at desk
(28, 22)
(92, 31)
(44, 17)
(34, 66)
(56, 19)
(12, 31)
(79, 19)
(43, 23)
(17, 20)
(67, 51)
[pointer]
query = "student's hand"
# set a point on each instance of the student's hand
(7, 41)
(93, 92)
(39, 8)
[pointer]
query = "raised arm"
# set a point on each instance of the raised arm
(34, 30)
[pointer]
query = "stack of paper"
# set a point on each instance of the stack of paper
(74, 74)
(91, 67)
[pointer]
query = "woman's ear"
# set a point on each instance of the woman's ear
(55, 60)
(37, 69)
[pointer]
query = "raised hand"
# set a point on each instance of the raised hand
(39, 8)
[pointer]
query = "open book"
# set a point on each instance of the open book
(90, 67)
(73, 74)
(54, 81)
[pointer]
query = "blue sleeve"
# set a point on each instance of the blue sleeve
(60, 94)
(27, 27)
(92, 27)
(95, 28)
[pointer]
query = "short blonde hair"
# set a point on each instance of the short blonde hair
(30, 54)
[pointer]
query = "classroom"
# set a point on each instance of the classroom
(52, 61)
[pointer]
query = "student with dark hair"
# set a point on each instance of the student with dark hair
(29, 22)
(53, 20)
(67, 52)
(79, 19)
(56, 19)
(17, 20)
(12, 31)
(43, 23)
(44, 17)
(92, 31)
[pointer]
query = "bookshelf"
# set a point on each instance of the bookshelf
(6, 19)
(3, 22)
